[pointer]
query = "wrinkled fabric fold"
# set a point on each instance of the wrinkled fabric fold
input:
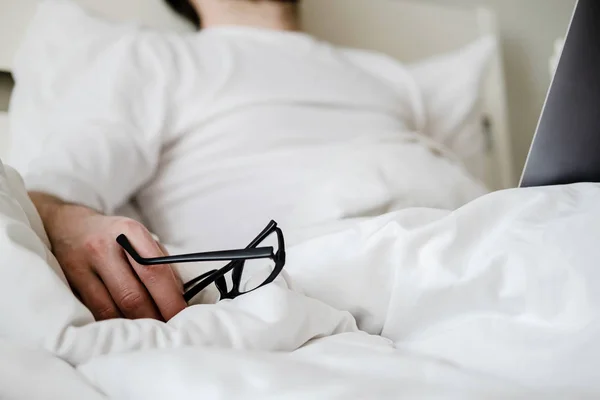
(498, 298)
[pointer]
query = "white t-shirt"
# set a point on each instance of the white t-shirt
(216, 133)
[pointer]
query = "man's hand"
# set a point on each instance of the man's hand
(102, 275)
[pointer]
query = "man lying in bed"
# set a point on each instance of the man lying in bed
(216, 133)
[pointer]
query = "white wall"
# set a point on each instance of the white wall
(528, 28)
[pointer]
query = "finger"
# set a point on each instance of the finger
(177, 276)
(160, 280)
(129, 294)
(94, 295)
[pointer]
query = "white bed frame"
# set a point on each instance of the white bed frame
(4, 143)
(406, 30)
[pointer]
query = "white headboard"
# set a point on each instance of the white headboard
(4, 139)
(405, 30)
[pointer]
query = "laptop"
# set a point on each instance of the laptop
(566, 146)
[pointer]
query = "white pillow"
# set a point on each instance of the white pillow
(450, 86)
(71, 39)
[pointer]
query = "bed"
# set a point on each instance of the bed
(419, 303)
(497, 299)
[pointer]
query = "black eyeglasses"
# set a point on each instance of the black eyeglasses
(238, 266)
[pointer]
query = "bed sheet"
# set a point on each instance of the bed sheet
(497, 299)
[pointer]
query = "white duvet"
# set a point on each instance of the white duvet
(498, 299)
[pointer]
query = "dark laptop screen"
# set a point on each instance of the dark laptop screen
(566, 148)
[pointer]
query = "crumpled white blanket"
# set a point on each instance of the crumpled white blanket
(498, 299)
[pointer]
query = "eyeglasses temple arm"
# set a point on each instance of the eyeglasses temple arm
(227, 255)
(261, 236)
